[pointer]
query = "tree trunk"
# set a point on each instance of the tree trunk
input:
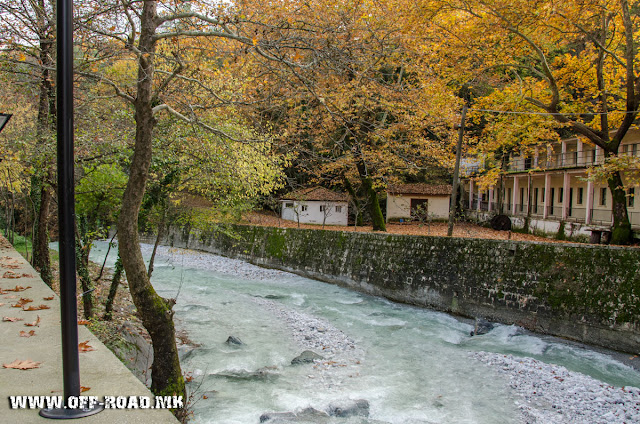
(113, 289)
(82, 266)
(85, 283)
(41, 191)
(155, 312)
(155, 245)
(41, 260)
(377, 219)
(621, 232)
(354, 199)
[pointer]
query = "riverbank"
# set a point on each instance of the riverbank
(544, 393)
(31, 353)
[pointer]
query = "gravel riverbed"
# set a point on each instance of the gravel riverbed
(545, 393)
(553, 394)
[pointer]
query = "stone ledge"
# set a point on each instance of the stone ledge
(100, 369)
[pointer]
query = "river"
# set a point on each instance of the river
(411, 365)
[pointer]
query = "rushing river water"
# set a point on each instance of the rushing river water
(412, 365)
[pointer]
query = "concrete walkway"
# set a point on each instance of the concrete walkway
(100, 370)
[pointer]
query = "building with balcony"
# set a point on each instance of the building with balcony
(551, 187)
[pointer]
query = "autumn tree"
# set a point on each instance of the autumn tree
(368, 112)
(157, 42)
(27, 39)
(574, 61)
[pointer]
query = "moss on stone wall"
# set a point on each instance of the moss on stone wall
(543, 286)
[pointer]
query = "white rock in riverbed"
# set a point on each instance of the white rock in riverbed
(553, 394)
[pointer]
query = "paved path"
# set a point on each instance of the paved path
(100, 370)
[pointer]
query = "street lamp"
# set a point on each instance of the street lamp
(66, 221)
(4, 118)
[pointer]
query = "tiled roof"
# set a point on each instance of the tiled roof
(420, 188)
(316, 193)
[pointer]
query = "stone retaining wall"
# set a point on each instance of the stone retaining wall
(582, 292)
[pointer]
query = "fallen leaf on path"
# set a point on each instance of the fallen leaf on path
(48, 298)
(10, 266)
(35, 308)
(83, 322)
(85, 347)
(11, 274)
(29, 334)
(23, 301)
(11, 319)
(84, 389)
(19, 288)
(11, 297)
(27, 364)
(35, 323)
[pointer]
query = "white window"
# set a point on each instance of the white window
(603, 197)
(304, 208)
(322, 208)
(338, 209)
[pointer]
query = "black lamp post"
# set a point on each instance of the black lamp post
(66, 220)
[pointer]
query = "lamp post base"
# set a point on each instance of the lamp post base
(69, 414)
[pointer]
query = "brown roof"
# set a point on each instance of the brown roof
(316, 193)
(420, 188)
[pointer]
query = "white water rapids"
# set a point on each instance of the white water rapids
(412, 365)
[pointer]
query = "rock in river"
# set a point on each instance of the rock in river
(305, 357)
(234, 341)
(350, 408)
(482, 327)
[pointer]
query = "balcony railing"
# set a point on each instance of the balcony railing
(567, 159)
(574, 214)
(559, 160)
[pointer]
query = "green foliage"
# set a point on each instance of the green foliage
(98, 193)
(22, 244)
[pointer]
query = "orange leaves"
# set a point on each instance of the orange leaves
(83, 322)
(11, 274)
(23, 301)
(18, 288)
(35, 308)
(26, 364)
(27, 334)
(85, 347)
(10, 319)
(35, 323)
(48, 298)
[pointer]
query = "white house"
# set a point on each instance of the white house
(315, 205)
(404, 199)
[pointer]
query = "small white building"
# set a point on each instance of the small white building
(403, 200)
(315, 205)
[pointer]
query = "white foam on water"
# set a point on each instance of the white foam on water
(411, 364)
